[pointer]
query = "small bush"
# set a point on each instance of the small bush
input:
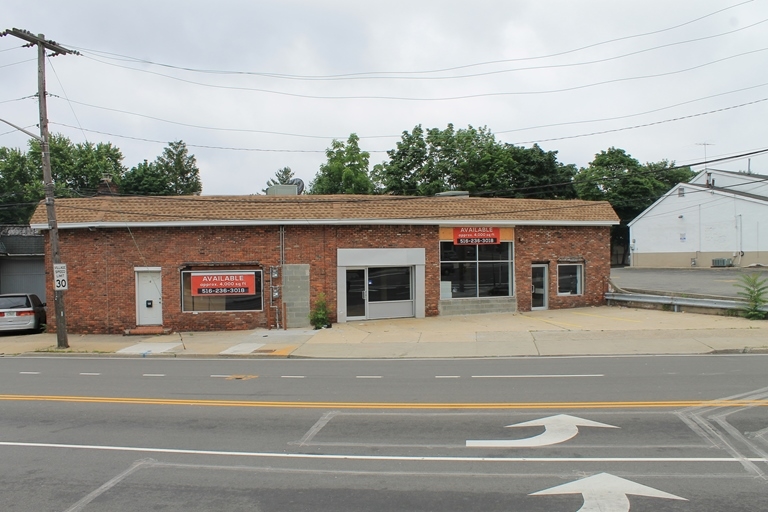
(753, 290)
(320, 317)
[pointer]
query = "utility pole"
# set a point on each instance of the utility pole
(42, 45)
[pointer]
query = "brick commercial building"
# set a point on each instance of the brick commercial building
(190, 263)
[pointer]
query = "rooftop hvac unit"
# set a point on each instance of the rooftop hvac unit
(722, 262)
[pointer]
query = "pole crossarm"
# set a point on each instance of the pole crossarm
(31, 38)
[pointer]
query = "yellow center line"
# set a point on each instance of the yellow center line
(389, 405)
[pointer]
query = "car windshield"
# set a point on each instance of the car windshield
(15, 302)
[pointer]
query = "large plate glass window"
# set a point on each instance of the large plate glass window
(234, 290)
(389, 284)
(477, 270)
(570, 279)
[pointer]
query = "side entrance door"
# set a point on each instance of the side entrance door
(539, 285)
(357, 293)
(149, 297)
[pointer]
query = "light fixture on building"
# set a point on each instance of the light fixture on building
(274, 272)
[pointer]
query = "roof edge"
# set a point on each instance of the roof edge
(329, 222)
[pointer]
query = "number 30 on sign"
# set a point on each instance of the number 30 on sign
(60, 276)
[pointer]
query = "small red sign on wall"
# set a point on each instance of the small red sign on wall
(224, 283)
(476, 235)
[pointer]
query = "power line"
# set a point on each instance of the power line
(326, 137)
(644, 125)
(262, 150)
(445, 98)
(433, 71)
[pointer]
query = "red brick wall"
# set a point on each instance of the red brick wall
(317, 246)
(552, 244)
(102, 283)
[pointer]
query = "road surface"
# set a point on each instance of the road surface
(564, 434)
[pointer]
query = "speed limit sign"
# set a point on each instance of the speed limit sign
(60, 276)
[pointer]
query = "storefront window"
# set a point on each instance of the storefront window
(233, 290)
(477, 270)
(389, 284)
(569, 279)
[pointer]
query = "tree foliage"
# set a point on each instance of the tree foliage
(20, 187)
(631, 187)
(282, 177)
(173, 173)
(345, 172)
(471, 159)
(76, 170)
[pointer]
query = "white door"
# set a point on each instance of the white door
(149, 298)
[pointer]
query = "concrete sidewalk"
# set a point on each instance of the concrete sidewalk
(585, 331)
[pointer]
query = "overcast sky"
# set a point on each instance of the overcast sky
(253, 86)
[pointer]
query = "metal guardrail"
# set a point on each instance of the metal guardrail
(679, 301)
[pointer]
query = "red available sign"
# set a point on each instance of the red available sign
(476, 236)
(224, 283)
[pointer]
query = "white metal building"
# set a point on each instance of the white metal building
(719, 218)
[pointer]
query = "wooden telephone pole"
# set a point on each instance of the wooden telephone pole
(42, 45)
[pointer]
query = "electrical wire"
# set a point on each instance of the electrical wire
(700, 114)
(514, 70)
(444, 98)
(326, 137)
(535, 141)
(454, 68)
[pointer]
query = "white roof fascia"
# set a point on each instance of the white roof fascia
(657, 202)
(328, 222)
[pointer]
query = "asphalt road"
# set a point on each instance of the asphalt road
(652, 433)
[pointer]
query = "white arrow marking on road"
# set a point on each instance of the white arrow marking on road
(557, 429)
(606, 493)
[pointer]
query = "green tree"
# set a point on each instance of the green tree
(282, 177)
(345, 172)
(21, 187)
(77, 169)
(471, 159)
(173, 173)
(631, 187)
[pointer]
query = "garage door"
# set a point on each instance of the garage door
(23, 275)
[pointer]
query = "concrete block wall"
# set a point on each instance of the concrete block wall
(296, 295)
(470, 306)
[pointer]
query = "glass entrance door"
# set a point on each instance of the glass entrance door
(539, 286)
(357, 293)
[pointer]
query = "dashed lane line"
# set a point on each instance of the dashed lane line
(535, 376)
